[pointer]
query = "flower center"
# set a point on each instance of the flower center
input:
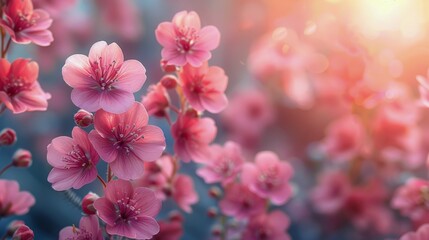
(126, 210)
(268, 180)
(125, 134)
(76, 158)
(13, 86)
(81, 234)
(105, 74)
(185, 39)
(224, 167)
(24, 21)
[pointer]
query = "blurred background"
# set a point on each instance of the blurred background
(304, 64)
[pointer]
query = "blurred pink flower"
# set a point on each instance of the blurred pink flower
(184, 193)
(54, 7)
(268, 177)
(12, 201)
(223, 165)
(126, 140)
(26, 25)
(129, 212)
(184, 40)
(424, 89)
(103, 80)
(241, 203)
(89, 228)
(23, 233)
(421, 234)
(412, 199)
(156, 100)
(204, 87)
(73, 160)
(169, 230)
(19, 89)
(192, 136)
(267, 226)
(344, 139)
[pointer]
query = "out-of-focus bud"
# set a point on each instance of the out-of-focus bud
(13, 226)
(175, 216)
(212, 212)
(167, 191)
(88, 203)
(7, 137)
(23, 233)
(167, 68)
(191, 113)
(215, 192)
(83, 118)
(22, 158)
(169, 81)
(216, 231)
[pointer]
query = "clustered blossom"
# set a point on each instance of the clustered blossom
(13, 201)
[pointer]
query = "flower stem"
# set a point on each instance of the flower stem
(109, 173)
(102, 181)
(4, 51)
(5, 168)
(224, 227)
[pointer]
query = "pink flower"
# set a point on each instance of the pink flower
(204, 87)
(267, 226)
(223, 165)
(169, 230)
(192, 136)
(331, 192)
(184, 192)
(19, 89)
(268, 177)
(421, 234)
(344, 139)
(103, 79)
(184, 40)
(156, 100)
(129, 212)
(89, 228)
(126, 140)
(23, 233)
(26, 25)
(412, 199)
(12, 201)
(73, 160)
(424, 89)
(240, 202)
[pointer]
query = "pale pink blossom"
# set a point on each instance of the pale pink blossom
(204, 87)
(331, 192)
(421, 234)
(25, 24)
(156, 101)
(241, 203)
(267, 226)
(89, 228)
(19, 89)
(184, 193)
(74, 161)
(54, 7)
(184, 40)
(223, 165)
(412, 199)
(344, 139)
(192, 136)
(126, 140)
(12, 201)
(129, 212)
(103, 80)
(268, 177)
(423, 89)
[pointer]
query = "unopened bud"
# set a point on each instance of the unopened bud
(212, 212)
(22, 158)
(13, 226)
(23, 233)
(216, 231)
(83, 118)
(167, 68)
(175, 216)
(88, 203)
(169, 81)
(215, 192)
(7, 137)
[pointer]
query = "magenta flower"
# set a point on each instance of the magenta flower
(89, 228)
(268, 177)
(73, 160)
(240, 202)
(204, 87)
(19, 89)
(412, 199)
(26, 25)
(12, 201)
(129, 212)
(184, 40)
(421, 234)
(192, 136)
(103, 79)
(223, 165)
(156, 100)
(184, 192)
(268, 226)
(125, 140)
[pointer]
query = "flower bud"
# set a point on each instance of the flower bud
(216, 231)
(13, 226)
(7, 137)
(175, 216)
(22, 158)
(212, 212)
(23, 233)
(167, 68)
(88, 203)
(169, 81)
(83, 118)
(215, 192)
